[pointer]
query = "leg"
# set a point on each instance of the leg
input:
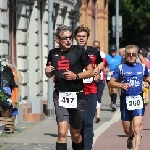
(100, 89)
(127, 126)
(137, 124)
(113, 99)
(75, 120)
(126, 117)
(89, 114)
(62, 118)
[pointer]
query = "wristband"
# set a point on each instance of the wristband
(77, 77)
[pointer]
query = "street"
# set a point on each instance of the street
(108, 134)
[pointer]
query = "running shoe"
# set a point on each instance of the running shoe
(98, 119)
(114, 107)
(129, 142)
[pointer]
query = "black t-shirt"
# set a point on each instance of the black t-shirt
(7, 78)
(94, 54)
(75, 59)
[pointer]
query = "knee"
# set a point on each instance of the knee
(62, 135)
(75, 134)
(137, 129)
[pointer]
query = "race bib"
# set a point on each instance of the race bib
(109, 75)
(68, 99)
(134, 102)
(88, 80)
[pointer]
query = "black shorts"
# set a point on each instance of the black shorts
(72, 115)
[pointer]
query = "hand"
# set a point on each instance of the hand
(97, 77)
(146, 85)
(125, 86)
(96, 71)
(69, 75)
(107, 70)
(49, 69)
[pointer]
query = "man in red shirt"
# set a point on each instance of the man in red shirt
(90, 87)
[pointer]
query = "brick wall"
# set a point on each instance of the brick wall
(101, 19)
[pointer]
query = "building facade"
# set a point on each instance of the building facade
(94, 14)
(24, 42)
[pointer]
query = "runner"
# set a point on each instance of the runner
(67, 63)
(113, 60)
(90, 87)
(131, 75)
(101, 83)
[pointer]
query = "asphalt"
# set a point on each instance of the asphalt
(43, 135)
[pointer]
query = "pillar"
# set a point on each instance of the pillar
(106, 28)
(83, 12)
(100, 22)
(89, 22)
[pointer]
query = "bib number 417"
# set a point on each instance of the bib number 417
(68, 99)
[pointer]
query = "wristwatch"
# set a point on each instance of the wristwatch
(77, 77)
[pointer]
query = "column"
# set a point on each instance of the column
(89, 22)
(106, 28)
(22, 38)
(45, 49)
(83, 12)
(34, 51)
(4, 38)
(100, 22)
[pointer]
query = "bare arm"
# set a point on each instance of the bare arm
(82, 75)
(114, 84)
(100, 66)
(88, 73)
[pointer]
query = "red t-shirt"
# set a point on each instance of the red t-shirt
(103, 74)
(94, 54)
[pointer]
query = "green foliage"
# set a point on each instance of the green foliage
(136, 21)
(3, 96)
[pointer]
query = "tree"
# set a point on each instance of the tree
(135, 23)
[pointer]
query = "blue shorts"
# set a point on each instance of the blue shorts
(128, 115)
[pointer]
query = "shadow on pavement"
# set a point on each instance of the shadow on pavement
(105, 109)
(52, 135)
(145, 129)
(122, 135)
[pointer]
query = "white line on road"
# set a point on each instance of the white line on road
(106, 125)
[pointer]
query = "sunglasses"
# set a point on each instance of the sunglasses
(66, 37)
(131, 54)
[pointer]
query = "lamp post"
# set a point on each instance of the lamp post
(117, 24)
(50, 46)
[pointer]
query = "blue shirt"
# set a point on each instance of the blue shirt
(132, 74)
(113, 61)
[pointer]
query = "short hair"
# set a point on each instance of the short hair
(61, 29)
(132, 46)
(144, 53)
(96, 41)
(82, 28)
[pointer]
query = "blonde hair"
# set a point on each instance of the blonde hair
(132, 46)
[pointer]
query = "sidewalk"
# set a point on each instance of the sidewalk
(114, 138)
(43, 135)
